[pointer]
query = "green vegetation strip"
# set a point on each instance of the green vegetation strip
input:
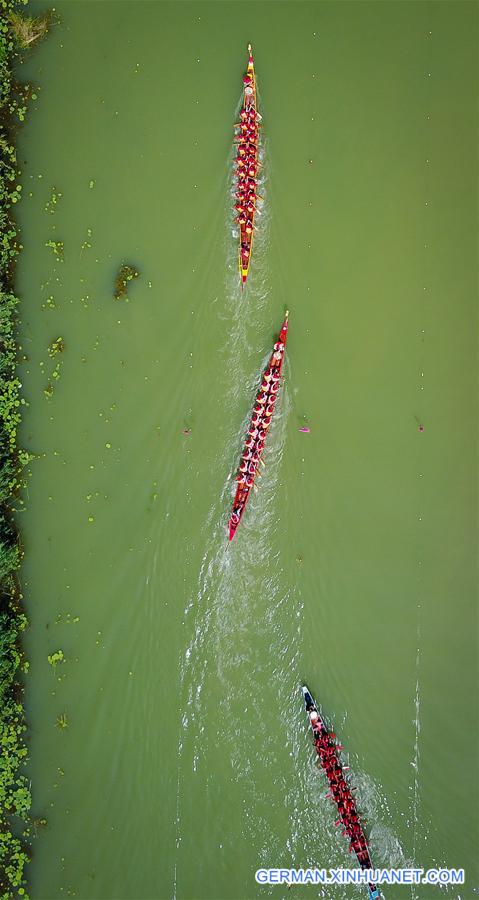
(17, 32)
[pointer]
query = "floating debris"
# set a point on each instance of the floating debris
(126, 273)
(56, 346)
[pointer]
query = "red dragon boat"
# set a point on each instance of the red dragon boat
(340, 792)
(258, 429)
(246, 172)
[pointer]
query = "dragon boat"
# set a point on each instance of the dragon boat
(246, 172)
(339, 790)
(260, 422)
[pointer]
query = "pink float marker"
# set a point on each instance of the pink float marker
(305, 430)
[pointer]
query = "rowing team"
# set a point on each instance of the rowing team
(246, 169)
(247, 126)
(247, 157)
(340, 790)
(260, 420)
(245, 205)
(247, 150)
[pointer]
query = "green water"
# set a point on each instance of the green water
(186, 764)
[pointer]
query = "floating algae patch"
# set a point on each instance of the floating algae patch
(126, 273)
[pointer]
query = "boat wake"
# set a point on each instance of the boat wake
(242, 730)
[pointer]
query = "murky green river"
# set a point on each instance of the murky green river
(186, 763)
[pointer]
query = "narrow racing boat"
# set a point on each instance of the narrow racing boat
(246, 172)
(258, 429)
(340, 792)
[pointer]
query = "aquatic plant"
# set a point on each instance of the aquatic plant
(55, 658)
(56, 371)
(62, 721)
(49, 304)
(126, 273)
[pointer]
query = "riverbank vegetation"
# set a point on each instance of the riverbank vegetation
(16, 32)
(27, 30)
